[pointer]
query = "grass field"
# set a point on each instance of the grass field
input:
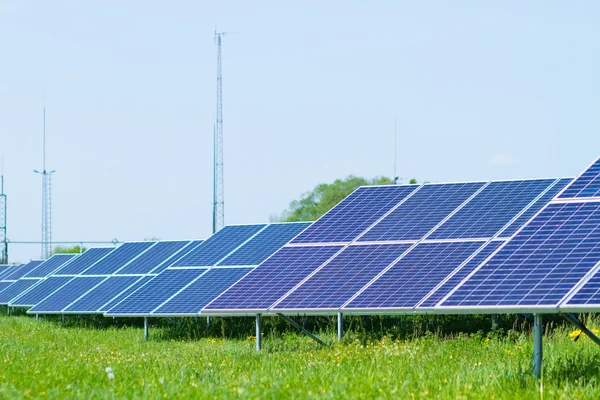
(45, 359)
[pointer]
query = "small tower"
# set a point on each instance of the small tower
(46, 200)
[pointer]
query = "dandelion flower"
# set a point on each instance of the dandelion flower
(108, 370)
(111, 375)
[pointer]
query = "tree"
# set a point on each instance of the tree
(68, 250)
(322, 198)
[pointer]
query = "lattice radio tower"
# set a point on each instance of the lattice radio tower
(46, 201)
(3, 238)
(218, 185)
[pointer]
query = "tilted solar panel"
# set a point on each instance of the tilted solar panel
(17, 288)
(49, 266)
(117, 299)
(118, 258)
(84, 261)
(93, 300)
(24, 270)
(586, 185)
(40, 291)
(149, 260)
(4, 285)
(75, 288)
(172, 261)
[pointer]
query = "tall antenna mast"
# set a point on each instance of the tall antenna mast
(3, 238)
(395, 152)
(46, 199)
(218, 186)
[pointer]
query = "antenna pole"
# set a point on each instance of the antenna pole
(395, 152)
(218, 187)
(46, 197)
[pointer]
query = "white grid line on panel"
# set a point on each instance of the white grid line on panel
(576, 178)
(582, 282)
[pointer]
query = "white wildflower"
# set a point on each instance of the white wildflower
(108, 370)
(111, 375)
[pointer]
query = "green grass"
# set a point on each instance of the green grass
(45, 359)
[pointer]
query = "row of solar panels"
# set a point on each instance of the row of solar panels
(501, 246)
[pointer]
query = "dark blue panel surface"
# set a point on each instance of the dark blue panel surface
(203, 290)
(219, 245)
(49, 266)
(265, 244)
(67, 294)
(172, 261)
(494, 207)
(275, 277)
(346, 221)
(541, 264)
(22, 271)
(117, 299)
(9, 269)
(152, 258)
(156, 291)
(537, 206)
(589, 294)
(93, 300)
(587, 185)
(466, 269)
(84, 261)
(40, 291)
(421, 212)
(343, 277)
(16, 289)
(118, 258)
(415, 275)
(4, 285)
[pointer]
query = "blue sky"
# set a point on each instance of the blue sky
(480, 90)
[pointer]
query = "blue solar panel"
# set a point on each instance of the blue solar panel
(588, 294)
(421, 212)
(21, 272)
(219, 245)
(64, 296)
(155, 292)
(172, 261)
(9, 269)
(541, 264)
(412, 278)
(4, 285)
(93, 300)
(17, 288)
(204, 289)
(152, 258)
(586, 185)
(273, 278)
(267, 242)
(537, 206)
(49, 266)
(494, 207)
(40, 291)
(118, 258)
(117, 299)
(346, 221)
(342, 277)
(445, 288)
(84, 261)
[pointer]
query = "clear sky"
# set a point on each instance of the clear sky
(480, 90)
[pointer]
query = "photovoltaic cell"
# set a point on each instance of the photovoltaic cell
(172, 261)
(342, 277)
(264, 244)
(16, 289)
(587, 185)
(155, 292)
(414, 276)
(219, 245)
(421, 212)
(589, 294)
(24, 270)
(117, 299)
(347, 220)
(4, 285)
(118, 258)
(9, 269)
(64, 296)
(537, 206)
(50, 265)
(273, 278)
(204, 289)
(92, 301)
(466, 269)
(541, 264)
(40, 291)
(494, 207)
(84, 261)
(152, 258)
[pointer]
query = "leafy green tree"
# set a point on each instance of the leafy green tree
(322, 198)
(68, 250)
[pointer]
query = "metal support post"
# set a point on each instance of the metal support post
(340, 323)
(207, 322)
(304, 330)
(37, 317)
(8, 310)
(494, 322)
(145, 328)
(63, 318)
(258, 332)
(538, 332)
(580, 325)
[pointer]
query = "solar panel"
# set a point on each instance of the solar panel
(201, 291)
(4, 285)
(39, 292)
(541, 264)
(67, 294)
(421, 212)
(265, 243)
(93, 300)
(586, 185)
(172, 261)
(49, 266)
(144, 300)
(118, 258)
(353, 215)
(16, 289)
(342, 277)
(149, 260)
(9, 269)
(117, 299)
(587, 296)
(22, 271)
(273, 278)
(84, 261)
(410, 279)
(494, 207)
